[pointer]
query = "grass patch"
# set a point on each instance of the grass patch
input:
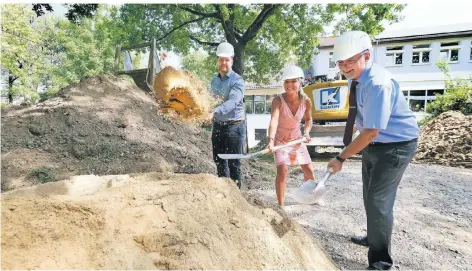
(42, 175)
(100, 151)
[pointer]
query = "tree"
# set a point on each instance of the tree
(77, 51)
(201, 65)
(364, 17)
(18, 43)
(264, 35)
(75, 13)
(457, 94)
(38, 9)
(48, 53)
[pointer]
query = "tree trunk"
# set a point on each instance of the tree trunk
(238, 60)
(11, 79)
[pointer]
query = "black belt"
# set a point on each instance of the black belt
(230, 122)
(392, 143)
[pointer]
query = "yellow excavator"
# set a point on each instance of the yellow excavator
(330, 109)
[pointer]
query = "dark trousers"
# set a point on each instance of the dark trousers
(382, 169)
(228, 139)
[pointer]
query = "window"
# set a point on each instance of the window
(405, 93)
(248, 101)
(417, 92)
(419, 99)
(421, 54)
(332, 64)
(259, 134)
(417, 105)
(259, 104)
(433, 92)
(394, 56)
(450, 51)
(470, 57)
(269, 104)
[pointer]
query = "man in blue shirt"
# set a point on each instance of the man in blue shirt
(387, 139)
(229, 127)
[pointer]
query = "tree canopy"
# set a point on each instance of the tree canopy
(264, 36)
(44, 53)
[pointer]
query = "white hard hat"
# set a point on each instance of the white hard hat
(292, 72)
(225, 49)
(349, 44)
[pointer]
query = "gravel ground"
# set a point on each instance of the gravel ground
(433, 216)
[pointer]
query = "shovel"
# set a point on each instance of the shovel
(309, 192)
(259, 153)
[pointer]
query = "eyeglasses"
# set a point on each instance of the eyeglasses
(351, 60)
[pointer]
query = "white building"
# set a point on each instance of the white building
(409, 54)
(258, 100)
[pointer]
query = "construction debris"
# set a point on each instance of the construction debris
(446, 140)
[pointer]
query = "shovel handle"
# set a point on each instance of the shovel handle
(291, 143)
(266, 151)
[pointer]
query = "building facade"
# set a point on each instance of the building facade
(258, 101)
(410, 55)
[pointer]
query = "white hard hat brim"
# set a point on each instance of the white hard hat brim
(225, 55)
(347, 55)
(291, 77)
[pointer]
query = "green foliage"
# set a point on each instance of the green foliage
(265, 36)
(77, 12)
(42, 175)
(47, 53)
(364, 17)
(457, 94)
(78, 51)
(22, 52)
(201, 65)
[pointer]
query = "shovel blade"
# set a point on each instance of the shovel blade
(237, 156)
(319, 191)
(231, 156)
(305, 194)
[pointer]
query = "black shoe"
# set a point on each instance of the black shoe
(360, 240)
(380, 266)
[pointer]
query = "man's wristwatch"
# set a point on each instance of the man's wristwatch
(340, 159)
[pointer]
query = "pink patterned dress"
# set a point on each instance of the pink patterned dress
(288, 130)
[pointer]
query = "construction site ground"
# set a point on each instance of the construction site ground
(80, 171)
(433, 215)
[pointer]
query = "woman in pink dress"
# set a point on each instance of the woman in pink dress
(288, 109)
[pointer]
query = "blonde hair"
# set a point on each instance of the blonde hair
(301, 94)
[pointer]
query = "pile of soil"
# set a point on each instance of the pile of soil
(101, 125)
(447, 140)
(104, 125)
(149, 221)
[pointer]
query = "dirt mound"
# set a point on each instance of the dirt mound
(149, 221)
(101, 125)
(447, 140)
(183, 93)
